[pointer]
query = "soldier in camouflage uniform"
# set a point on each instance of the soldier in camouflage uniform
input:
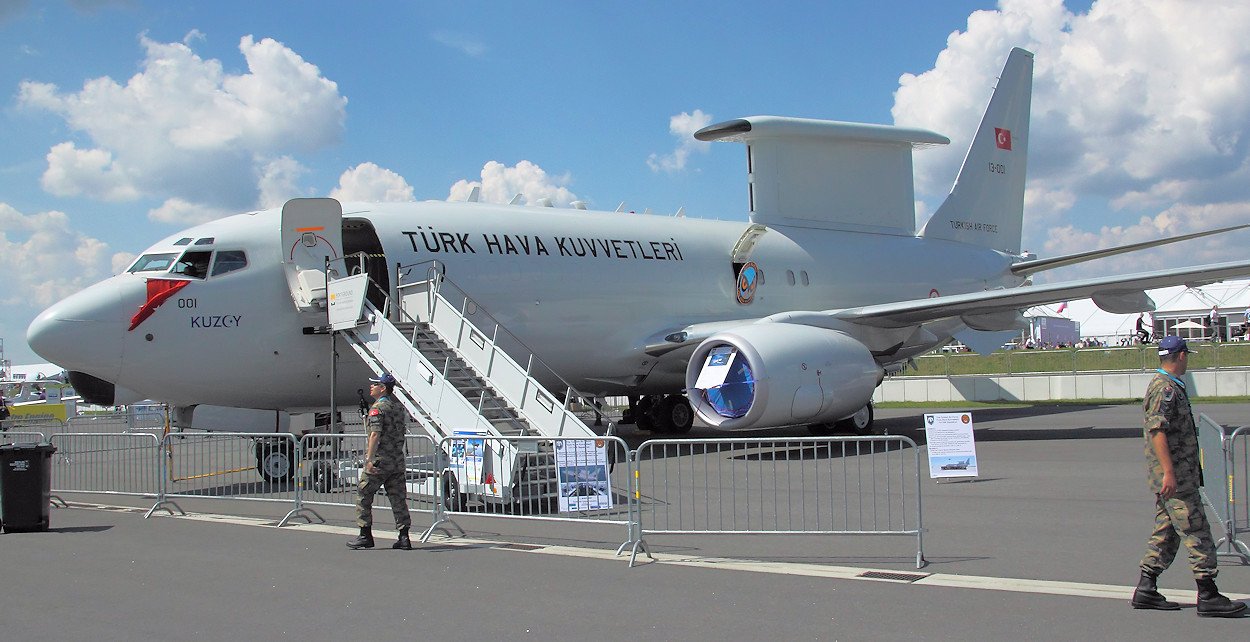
(1175, 473)
(384, 465)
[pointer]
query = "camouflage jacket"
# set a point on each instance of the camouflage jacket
(389, 418)
(1167, 411)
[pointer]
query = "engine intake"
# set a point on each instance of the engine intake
(777, 374)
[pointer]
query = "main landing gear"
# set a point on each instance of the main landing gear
(660, 413)
(859, 423)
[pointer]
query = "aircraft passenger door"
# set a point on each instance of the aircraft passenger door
(312, 229)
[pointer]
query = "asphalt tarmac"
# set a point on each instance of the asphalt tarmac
(1043, 545)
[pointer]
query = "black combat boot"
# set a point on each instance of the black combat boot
(1212, 604)
(404, 544)
(363, 540)
(1148, 597)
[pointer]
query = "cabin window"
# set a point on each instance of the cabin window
(229, 261)
(194, 263)
(153, 262)
(803, 278)
(790, 277)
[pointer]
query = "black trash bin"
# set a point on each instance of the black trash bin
(26, 486)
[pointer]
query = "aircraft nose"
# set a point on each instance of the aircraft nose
(84, 331)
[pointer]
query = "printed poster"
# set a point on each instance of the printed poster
(466, 458)
(952, 448)
(583, 471)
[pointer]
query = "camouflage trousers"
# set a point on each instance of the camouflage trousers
(1181, 520)
(396, 492)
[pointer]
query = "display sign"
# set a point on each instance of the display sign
(952, 448)
(583, 472)
(346, 301)
(467, 457)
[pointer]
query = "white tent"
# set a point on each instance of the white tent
(1179, 303)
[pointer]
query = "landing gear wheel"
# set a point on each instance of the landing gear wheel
(274, 461)
(322, 478)
(859, 423)
(674, 415)
(453, 499)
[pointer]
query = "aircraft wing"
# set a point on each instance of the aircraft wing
(1118, 294)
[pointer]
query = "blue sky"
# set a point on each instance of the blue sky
(125, 121)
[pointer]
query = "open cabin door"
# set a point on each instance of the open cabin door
(311, 231)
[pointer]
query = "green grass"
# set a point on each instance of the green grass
(1044, 404)
(1130, 359)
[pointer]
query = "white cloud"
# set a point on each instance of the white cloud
(43, 260)
(89, 172)
(176, 211)
(500, 183)
(279, 182)
(368, 182)
(182, 129)
(682, 126)
(1142, 104)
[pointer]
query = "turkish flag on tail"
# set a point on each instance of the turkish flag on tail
(1002, 138)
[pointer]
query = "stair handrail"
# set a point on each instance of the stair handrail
(436, 280)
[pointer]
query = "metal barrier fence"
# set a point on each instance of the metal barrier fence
(330, 467)
(112, 464)
(125, 421)
(570, 479)
(16, 437)
(225, 465)
(831, 485)
(1237, 459)
(43, 426)
(836, 486)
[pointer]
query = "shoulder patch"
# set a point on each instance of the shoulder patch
(374, 412)
(1168, 393)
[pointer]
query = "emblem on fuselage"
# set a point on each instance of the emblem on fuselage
(748, 277)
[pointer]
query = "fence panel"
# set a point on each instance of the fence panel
(580, 479)
(330, 467)
(23, 437)
(832, 485)
(118, 422)
(42, 426)
(229, 466)
(1237, 447)
(113, 464)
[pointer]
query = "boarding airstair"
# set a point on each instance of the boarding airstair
(461, 378)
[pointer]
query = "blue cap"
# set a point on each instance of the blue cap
(1173, 345)
(385, 379)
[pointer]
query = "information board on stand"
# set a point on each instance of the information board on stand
(951, 445)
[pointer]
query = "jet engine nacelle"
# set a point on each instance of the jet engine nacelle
(776, 374)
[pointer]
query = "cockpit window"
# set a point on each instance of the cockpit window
(205, 241)
(183, 241)
(153, 262)
(193, 264)
(229, 261)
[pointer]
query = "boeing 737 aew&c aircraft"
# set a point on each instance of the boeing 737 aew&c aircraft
(791, 318)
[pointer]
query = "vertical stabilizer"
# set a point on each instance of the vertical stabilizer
(986, 205)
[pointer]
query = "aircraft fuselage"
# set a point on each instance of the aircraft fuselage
(586, 291)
